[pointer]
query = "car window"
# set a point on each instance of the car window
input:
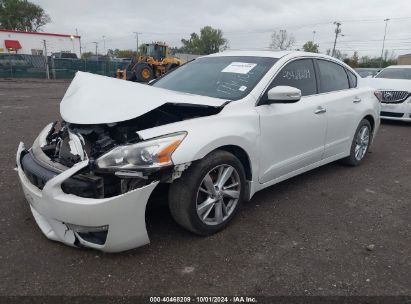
(332, 77)
(395, 73)
(352, 79)
(299, 74)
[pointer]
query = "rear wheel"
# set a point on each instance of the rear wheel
(208, 194)
(360, 144)
(143, 72)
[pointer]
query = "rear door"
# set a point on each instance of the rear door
(340, 96)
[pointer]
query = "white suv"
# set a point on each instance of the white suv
(212, 133)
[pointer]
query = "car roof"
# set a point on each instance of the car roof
(271, 54)
(399, 66)
(251, 53)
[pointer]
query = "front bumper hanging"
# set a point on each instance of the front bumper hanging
(108, 224)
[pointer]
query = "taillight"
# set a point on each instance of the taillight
(379, 95)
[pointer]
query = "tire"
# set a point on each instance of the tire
(144, 72)
(353, 159)
(185, 195)
(130, 75)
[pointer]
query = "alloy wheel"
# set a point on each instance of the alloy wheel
(218, 194)
(362, 142)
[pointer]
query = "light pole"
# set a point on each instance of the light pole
(137, 33)
(79, 40)
(337, 32)
(104, 44)
(72, 42)
(314, 32)
(96, 43)
(383, 41)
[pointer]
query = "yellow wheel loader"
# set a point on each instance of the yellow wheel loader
(154, 62)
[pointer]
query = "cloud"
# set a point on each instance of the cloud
(246, 24)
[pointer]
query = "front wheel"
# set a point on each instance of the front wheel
(208, 194)
(144, 72)
(360, 144)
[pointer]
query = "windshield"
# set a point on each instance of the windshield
(230, 77)
(367, 72)
(395, 73)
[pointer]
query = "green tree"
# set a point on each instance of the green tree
(209, 41)
(281, 40)
(121, 53)
(310, 46)
(22, 15)
(354, 60)
(86, 55)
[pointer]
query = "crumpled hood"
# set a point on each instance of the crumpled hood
(388, 84)
(95, 99)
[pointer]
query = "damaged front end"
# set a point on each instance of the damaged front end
(88, 185)
(88, 181)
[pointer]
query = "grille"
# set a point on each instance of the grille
(392, 114)
(83, 186)
(394, 96)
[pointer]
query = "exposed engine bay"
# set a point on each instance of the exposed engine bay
(67, 144)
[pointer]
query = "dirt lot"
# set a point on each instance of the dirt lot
(305, 236)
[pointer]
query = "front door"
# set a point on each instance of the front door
(292, 134)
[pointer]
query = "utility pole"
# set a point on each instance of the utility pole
(314, 32)
(96, 43)
(337, 32)
(104, 44)
(46, 59)
(79, 39)
(383, 41)
(137, 33)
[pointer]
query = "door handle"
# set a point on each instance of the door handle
(320, 110)
(356, 99)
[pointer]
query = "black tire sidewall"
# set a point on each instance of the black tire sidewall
(138, 70)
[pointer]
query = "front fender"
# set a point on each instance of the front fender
(206, 134)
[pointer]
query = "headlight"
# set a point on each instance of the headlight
(147, 154)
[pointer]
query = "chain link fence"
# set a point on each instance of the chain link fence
(34, 66)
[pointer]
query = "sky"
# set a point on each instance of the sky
(246, 24)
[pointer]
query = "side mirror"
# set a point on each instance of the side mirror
(283, 94)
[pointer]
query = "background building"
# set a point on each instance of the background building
(404, 59)
(32, 43)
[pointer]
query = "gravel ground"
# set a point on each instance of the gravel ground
(333, 231)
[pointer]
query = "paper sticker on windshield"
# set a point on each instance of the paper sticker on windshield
(239, 67)
(242, 88)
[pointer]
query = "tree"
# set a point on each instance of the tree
(281, 40)
(310, 46)
(22, 15)
(87, 55)
(121, 53)
(354, 60)
(338, 54)
(209, 41)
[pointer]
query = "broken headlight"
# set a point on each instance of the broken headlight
(143, 155)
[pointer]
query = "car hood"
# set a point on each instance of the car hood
(95, 99)
(389, 84)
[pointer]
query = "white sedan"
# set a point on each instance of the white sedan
(394, 91)
(212, 133)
